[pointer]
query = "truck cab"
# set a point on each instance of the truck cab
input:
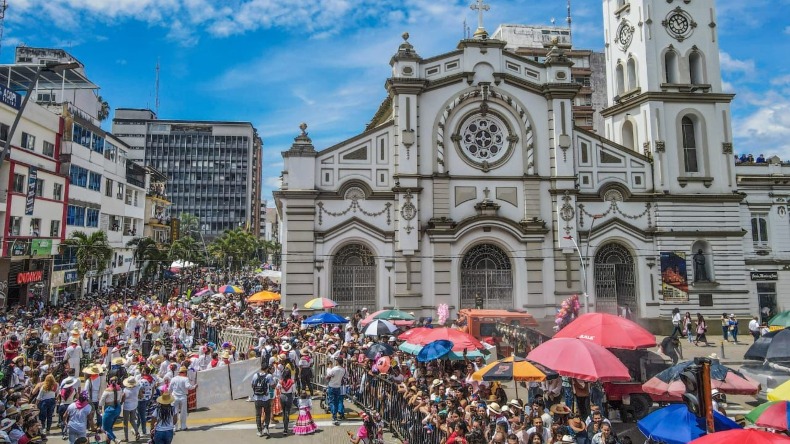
(482, 324)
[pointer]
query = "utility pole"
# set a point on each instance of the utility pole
(707, 397)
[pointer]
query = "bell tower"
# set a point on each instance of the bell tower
(665, 90)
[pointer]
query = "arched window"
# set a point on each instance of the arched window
(486, 278)
(695, 68)
(688, 130)
(632, 80)
(620, 79)
(671, 66)
(354, 278)
(629, 135)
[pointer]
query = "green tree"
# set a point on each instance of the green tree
(270, 251)
(234, 248)
(104, 109)
(186, 249)
(189, 225)
(93, 252)
(147, 256)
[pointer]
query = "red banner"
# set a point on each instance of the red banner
(27, 277)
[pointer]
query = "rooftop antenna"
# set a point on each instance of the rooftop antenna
(156, 103)
(570, 32)
(3, 7)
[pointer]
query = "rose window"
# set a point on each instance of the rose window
(484, 139)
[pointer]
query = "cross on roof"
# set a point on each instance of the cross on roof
(479, 6)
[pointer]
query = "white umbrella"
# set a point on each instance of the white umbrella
(272, 275)
(380, 327)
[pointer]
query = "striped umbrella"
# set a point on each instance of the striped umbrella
(775, 416)
(380, 327)
(229, 289)
(320, 304)
(514, 368)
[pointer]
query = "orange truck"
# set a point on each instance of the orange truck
(482, 324)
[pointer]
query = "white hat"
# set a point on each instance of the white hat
(568, 439)
(494, 407)
(392, 339)
(286, 347)
(364, 308)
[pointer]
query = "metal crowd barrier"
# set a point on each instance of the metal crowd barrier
(243, 339)
(380, 394)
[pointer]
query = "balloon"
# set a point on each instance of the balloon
(383, 364)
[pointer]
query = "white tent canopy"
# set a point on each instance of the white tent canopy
(182, 264)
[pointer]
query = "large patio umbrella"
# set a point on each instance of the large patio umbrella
(725, 379)
(264, 296)
(773, 346)
(393, 315)
(742, 436)
(609, 331)
(453, 355)
(380, 327)
(320, 304)
(514, 368)
(675, 424)
(781, 393)
(379, 348)
(325, 318)
(780, 321)
(399, 322)
(411, 332)
(461, 340)
(757, 411)
(580, 359)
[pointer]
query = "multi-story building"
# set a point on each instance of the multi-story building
(33, 196)
(211, 167)
(158, 221)
(588, 70)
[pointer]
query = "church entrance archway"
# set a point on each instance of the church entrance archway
(486, 278)
(354, 279)
(615, 279)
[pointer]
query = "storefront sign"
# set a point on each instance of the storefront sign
(41, 247)
(70, 276)
(10, 98)
(764, 275)
(20, 248)
(27, 277)
(32, 176)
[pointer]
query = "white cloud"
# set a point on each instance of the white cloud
(767, 130)
(730, 64)
(273, 182)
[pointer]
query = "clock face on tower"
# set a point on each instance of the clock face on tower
(679, 24)
(625, 34)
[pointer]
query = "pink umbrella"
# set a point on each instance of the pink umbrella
(461, 340)
(409, 333)
(580, 359)
(733, 384)
(609, 331)
(399, 323)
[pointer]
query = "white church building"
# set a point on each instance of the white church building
(471, 186)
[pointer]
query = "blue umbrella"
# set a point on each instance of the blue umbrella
(325, 318)
(434, 350)
(675, 424)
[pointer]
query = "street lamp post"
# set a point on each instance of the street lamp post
(583, 259)
(53, 67)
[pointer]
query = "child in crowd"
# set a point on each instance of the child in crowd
(304, 423)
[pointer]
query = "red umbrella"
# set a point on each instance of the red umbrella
(733, 384)
(609, 331)
(580, 359)
(742, 436)
(460, 340)
(409, 333)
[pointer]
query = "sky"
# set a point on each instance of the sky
(324, 62)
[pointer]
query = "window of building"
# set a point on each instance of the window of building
(97, 143)
(35, 227)
(695, 68)
(760, 228)
(92, 217)
(109, 151)
(75, 216)
(54, 228)
(629, 135)
(632, 80)
(119, 195)
(129, 196)
(94, 183)
(39, 187)
(620, 73)
(78, 176)
(108, 187)
(28, 141)
(49, 149)
(81, 135)
(4, 132)
(15, 226)
(766, 299)
(671, 67)
(19, 183)
(57, 191)
(688, 130)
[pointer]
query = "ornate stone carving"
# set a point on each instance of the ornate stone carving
(726, 147)
(408, 211)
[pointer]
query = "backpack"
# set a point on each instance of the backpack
(260, 387)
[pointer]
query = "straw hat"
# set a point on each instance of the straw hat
(494, 407)
(436, 383)
(515, 403)
(129, 382)
(6, 424)
(577, 425)
(69, 382)
(119, 361)
(165, 399)
(73, 341)
(225, 355)
(560, 409)
(92, 370)
(182, 369)
(286, 347)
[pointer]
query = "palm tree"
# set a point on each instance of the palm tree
(189, 225)
(146, 255)
(104, 109)
(185, 249)
(235, 248)
(93, 252)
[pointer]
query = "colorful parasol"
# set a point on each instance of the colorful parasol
(723, 378)
(742, 436)
(608, 331)
(393, 315)
(264, 296)
(675, 424)
(514, 368)
(320, 304)
(580, 359)
(229, 289)
(781, 393)
(775, 416)
(399, 322)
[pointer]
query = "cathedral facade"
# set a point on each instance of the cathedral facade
(471, 186)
